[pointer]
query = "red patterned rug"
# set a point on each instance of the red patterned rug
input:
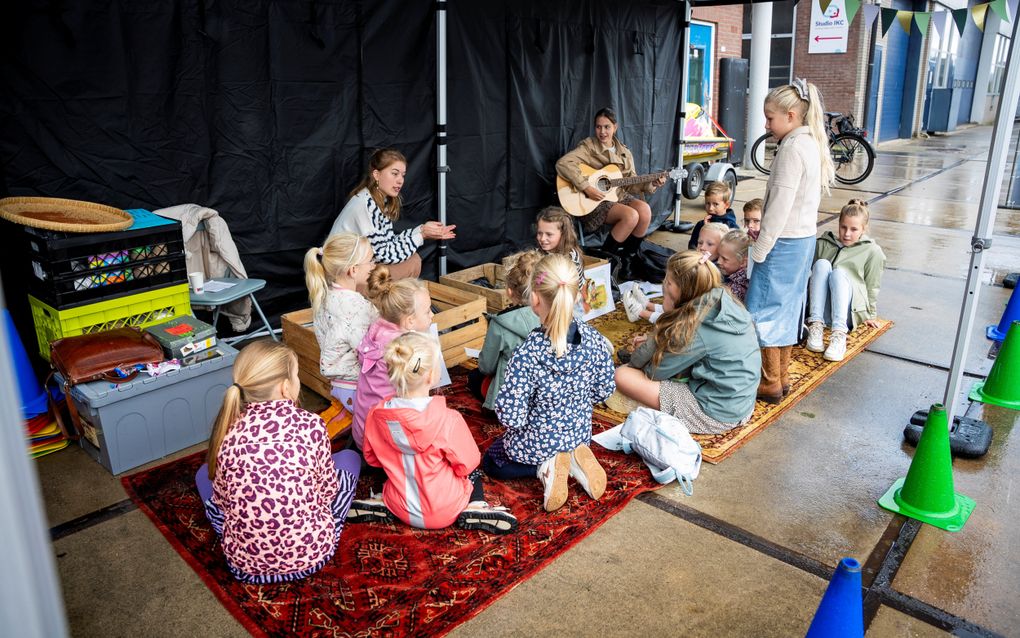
(392, 580)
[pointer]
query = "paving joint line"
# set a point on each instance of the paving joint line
(898, 189)
(91, 519)
(927, 364)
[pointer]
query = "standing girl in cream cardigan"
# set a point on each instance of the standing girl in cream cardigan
(785, 246)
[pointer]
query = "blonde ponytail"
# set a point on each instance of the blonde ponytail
(555, 282)
(258, 370)
(325, 265)
(410, 359)
(788, 98)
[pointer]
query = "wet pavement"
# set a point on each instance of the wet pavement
(750, 553)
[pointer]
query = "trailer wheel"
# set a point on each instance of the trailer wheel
(731, 180)
(694, 181)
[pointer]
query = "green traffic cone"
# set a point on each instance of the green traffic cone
(926, 493)
(1002, 386)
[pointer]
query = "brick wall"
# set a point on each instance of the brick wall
(729, 23)
(839, 76)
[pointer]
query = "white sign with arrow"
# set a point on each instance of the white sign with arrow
(829, 28)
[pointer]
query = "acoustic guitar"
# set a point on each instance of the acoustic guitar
(606, 180)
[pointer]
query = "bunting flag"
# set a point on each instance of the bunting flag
(852, 6)
(870, 13)
(979, 11)
(960, 16)
(940, 22)
(905, 18)
(922, 18)
(888, 16)
(823, 5)
(999, 7)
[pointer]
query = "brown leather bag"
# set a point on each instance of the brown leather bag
(97, 356)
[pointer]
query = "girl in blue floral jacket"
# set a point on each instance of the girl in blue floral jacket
(552, 381)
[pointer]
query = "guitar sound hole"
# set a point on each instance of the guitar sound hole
(603, 184)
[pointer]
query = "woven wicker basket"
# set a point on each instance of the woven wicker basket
(64, 215)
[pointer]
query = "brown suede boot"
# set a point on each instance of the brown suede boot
(784, 368)
(770, 390)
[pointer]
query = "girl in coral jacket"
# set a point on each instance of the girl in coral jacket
(426, 449)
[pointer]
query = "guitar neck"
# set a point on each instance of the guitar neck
(637, 179)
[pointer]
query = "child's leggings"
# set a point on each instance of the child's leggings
(346, 461)
(830, 295)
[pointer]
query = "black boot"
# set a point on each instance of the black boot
(632, 255)
(618, 258)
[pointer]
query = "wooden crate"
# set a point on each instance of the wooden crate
(461, 313)
(588, 261)
(495, 297)
(299, 334)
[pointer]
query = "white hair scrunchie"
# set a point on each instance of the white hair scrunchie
(801, 86)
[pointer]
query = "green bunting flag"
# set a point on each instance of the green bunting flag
(922, 18)
(889, 16)
(960, 16)
(852, 6)
(999, 7)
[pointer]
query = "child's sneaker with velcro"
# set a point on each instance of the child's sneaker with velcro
(481, 515)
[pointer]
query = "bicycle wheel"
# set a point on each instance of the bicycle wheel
(763, 152)
(853, 157)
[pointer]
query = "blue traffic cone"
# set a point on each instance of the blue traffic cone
(33, 397)
(841, 612)
(1011, 314)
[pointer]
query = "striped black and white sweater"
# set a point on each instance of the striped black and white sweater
(361, 215)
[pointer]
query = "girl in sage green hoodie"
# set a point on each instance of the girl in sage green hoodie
(702, 363)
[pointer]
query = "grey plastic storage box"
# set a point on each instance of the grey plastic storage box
(133, 423)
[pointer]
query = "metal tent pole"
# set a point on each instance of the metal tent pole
(441, 167)
(982, 239)
(685, 54)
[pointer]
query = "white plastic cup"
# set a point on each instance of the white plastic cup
(197, 281)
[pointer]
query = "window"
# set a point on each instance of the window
(784, 17)
(998, 74)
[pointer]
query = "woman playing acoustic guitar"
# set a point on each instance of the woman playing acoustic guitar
(629, 215)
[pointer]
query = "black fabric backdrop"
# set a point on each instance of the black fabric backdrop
(267, 110)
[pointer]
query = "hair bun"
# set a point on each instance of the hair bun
(858, 202)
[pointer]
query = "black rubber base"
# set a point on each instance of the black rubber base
(682, 227)
(1010, 280)
(968, 438)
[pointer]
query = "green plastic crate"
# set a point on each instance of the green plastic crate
(140, 310)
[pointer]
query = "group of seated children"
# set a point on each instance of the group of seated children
(278, 498)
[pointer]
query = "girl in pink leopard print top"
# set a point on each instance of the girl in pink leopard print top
(272, 491)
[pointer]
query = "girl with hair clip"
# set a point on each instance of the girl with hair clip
(275, 496)
(845, 281)
(426, 449)
(403, 305)
(507, 330)
(552, 381)
(342, 316)
(732, 261)
(555, 234)
(783, 251)
(704, 335)
(629, 216)
(374, 205)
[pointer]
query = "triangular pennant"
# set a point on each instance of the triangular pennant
(960, 17)
(999, 7)
(888, 16)
(905, 18)
(922, 18)
(940, 22)
(979, 11)
(870, 13)
(823, 5)
(852, 6)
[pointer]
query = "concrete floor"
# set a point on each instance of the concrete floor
(750, 553)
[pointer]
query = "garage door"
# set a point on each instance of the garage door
(897, 45)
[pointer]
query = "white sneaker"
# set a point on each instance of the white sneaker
(815, 330)
(632, 306)
(587, 471)
(837, 346)
(640, 296)
(553, 474)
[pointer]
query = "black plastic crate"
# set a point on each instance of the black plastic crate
(118, 280)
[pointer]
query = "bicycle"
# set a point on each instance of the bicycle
(852, 154)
